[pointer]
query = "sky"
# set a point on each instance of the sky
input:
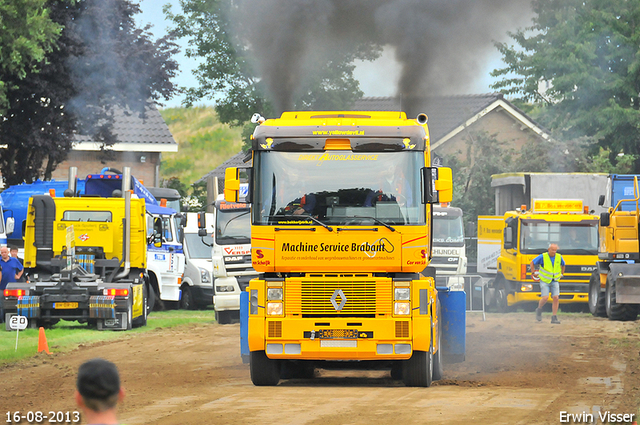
(377, 78)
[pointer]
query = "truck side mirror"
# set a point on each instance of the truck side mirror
(605, 219)
(601, 200)
(508, 238)
(157, 232)
(10, 225)
(183, 219)
(438, 185)
(237, 184)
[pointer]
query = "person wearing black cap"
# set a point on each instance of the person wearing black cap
(99, 391)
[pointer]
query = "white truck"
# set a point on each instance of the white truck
(231, 255)
(197, 284)
(448, 250)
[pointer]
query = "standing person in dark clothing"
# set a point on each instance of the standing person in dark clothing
(13, 250)
(11, 271)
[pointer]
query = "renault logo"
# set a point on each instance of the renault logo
(343, 300)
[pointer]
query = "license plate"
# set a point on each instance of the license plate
(59, 306)
(337, 334)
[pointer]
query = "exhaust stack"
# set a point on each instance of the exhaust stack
(73, 183)
(126, 194)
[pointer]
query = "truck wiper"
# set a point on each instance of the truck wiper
(315, 220)
(374, 219)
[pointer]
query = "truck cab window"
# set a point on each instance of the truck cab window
(384, 186)
(103, 216)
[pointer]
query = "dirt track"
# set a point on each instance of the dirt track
(517, 372)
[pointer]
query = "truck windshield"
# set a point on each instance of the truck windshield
(447, 231)
(338, 187)
(572, 238)
(196, 247)
(233, 227)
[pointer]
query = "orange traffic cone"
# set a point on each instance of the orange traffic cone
(42, 342)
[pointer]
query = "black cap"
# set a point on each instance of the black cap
(98, 379)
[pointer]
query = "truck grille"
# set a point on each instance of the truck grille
(311, 297)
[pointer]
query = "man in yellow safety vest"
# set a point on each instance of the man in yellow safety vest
(551, 268)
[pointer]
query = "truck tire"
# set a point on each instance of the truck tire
(615, 311)
(264, 371)
(502, 305)
(151, 297)
(129, 317)
(418, 370)
(596, 296)
(437, 358)
(187, 301)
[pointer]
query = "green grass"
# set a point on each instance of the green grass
(203, 143)
(66, 336)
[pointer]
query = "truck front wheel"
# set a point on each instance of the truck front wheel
(502, 304)
(187, 302)
(418, 370)
(264, 371)
(596, 296)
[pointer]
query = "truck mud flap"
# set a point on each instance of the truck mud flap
(28, 306)
(628, 290)
(102, 307)
(453, 306)
(627, 282)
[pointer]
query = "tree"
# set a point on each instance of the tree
(585, 53)
(101, 61)
(298, 76)
(27, 35)
(485, 155)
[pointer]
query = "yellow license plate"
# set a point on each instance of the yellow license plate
(65, 305)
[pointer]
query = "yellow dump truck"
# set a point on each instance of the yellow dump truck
(341, 215)
(614, 289)
(525, 235)
(86, 260)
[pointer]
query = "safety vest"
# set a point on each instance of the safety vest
(549, 271)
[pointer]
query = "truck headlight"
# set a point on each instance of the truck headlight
(205, 276)
(224, 288)
(274, 309)
(274, 294)
(402, 308)
(402, 294)
(525, 287)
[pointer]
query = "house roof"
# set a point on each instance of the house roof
(448, 115)
(134, 134)
(238, 160)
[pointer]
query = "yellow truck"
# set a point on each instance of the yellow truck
(341, 207)
(520, 236)
(86, 259)
(614, 288)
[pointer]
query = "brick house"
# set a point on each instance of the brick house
(453, 118)
(140, 145)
